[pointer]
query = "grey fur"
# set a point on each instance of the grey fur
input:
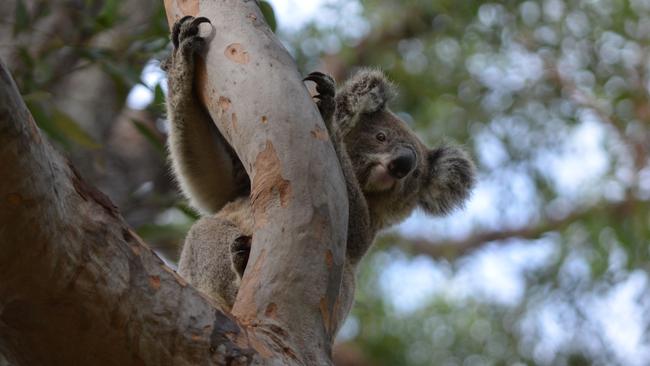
(206, 167)
(369, 141)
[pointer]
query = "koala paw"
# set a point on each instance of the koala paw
(240, 250)
(326, 88)
(180, 65)
(185, 35)
(325, 84)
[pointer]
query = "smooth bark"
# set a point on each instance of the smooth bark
(254, 93)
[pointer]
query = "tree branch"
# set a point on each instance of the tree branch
(451, 250)
(77, 286)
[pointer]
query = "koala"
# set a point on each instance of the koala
(388, 170)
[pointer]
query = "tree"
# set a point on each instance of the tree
(550, 96)
(80, 287)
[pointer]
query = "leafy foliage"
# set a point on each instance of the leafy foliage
(551, 96)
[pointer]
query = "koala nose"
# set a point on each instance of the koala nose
(403, 162)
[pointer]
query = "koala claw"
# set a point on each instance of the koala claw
(186, 28)
(176, 30)
(325, 85)
(326, 89)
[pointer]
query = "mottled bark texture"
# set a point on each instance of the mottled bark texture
(254, 93)
(78, 287)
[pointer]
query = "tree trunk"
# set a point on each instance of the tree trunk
(251, 88)
(78, 287)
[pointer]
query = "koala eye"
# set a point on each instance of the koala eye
(381, 137)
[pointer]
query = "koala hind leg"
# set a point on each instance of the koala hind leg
(207, 260)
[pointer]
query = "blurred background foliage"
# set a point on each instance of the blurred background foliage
(547, 265)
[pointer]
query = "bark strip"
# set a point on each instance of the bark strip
(299, 195)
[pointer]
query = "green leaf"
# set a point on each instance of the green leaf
(269, 15)
(122, 73)
(187, 210)
(153, 232)
(45, 123)
(108, 15)
(21, 21)
(37, 96)
(159, 95)
(72, 131)
(149, 135)
(157, 106)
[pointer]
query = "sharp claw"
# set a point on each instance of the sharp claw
(315, 77)
(176, 29)
(193, 28)
(184, 19)
(319, 78)
(324, 85)
(181, 31)
(200, 20)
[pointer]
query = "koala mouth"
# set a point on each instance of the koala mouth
(379, 179)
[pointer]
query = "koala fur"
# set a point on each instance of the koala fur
(388, 171)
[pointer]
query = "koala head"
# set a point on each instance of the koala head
(395, 170)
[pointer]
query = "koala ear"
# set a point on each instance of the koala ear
(449, 180)
(369, 90)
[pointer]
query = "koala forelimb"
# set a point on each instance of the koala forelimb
(205, 166)
(359, 230)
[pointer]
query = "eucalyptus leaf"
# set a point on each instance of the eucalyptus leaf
(108, 15)
(21, 17)
(72, 131)
(150, 136)
(269, 14)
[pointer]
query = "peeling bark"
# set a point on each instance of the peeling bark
(252, 90)
(78, 287)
